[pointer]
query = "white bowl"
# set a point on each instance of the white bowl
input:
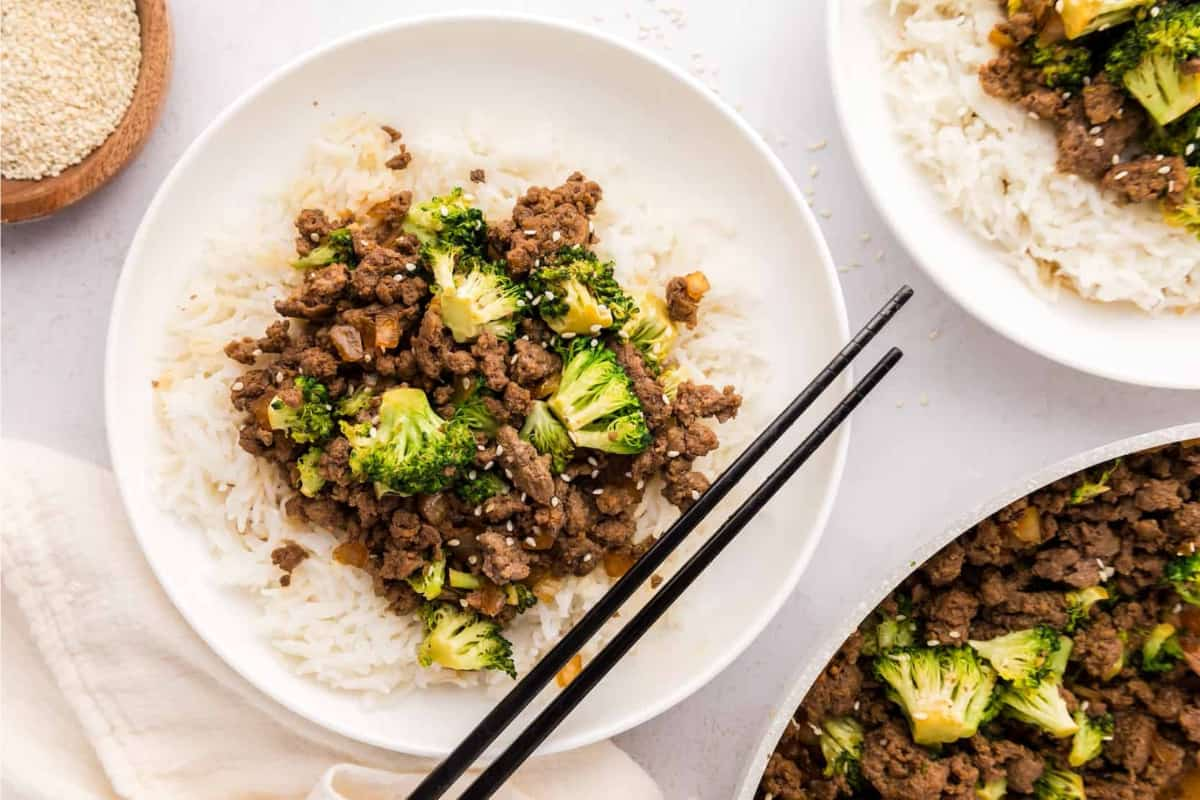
(832, 639)
(665, 123)
(1114, 341)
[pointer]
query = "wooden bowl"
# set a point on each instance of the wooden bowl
(27, 199)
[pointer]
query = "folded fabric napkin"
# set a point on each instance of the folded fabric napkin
(108, 693)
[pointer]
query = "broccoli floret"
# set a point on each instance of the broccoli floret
(311, 480)
(994, 789)
(842, 745)
(485, 485)
(1059, 784)
(651, 331)
(1090, 738)
(895, 632)
(548, 436)
(476, 295)
(520, 596)
(1021, 656)
(351, 404)
(1079, 605)
(577, 294)
(946, 692)
(428, 582)
(596, 403)
(670, 379)
(1186, 214)
(461, 640)
(338, 248)
(464, 580)
(1062, 66)
(1091, 489)
(1183, 573)
(448, 220)
(1161, 650)
(311, 421)
(1180, 138)
(413, 450)
(1042, 705)
(1149, 61)
(1081, 17)
(473, 413)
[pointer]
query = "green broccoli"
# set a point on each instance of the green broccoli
(474, 413)
(485, 485)
(1081, 17)
(1059, 784)
(651, 331)
(1062, 66)
(1089, 490)
(1183, 573)
(1150, 61)
(1020, 656)
(994, 789)
(448, 220)
(596, 403)
(476, 295)
(1161, 650)
(543, 430)
(520, 596)
(311, 480)
(350, 405)
(670, 379)
(842, 746)
(1042, 706)
(1090, 738)
(428, 582)
(338, 248)
(464, 580)
(893, 632)
(413, 450)
(1180, 138)
(576, 293)
(311, 420)
(1186, 215)
(462, 640)
(946, 692)
(1079, 605)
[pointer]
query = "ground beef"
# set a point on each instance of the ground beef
(1004, 77)
(478, 176)
(647, 388)
(1148, 178)
(529, 470)
(503, 559)
(1103, 100)
(312, 226)
(1010, 572)
(287, 557)
(1088, 150)
(546, 220)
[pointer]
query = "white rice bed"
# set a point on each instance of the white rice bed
(972, 146)
(329, 623)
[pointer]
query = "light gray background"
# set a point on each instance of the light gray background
(965, 415)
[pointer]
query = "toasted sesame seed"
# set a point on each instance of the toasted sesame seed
(478, 511)
(597, 491)
(554, 502)
(238, 386)
(672, 454)
(1099, 142)
(411, 267)
(933, 643)
(472, 475)
(955, 635)
(1122, 175)
(530, 541)
(591, 460)
(472, 560)
(531, 233)
(595, 473)
(279, 377)
(499, 450)
(454, 542)
(1164, 170)
(695, 494)
(587, 557)
(556, 236)
(510, 541)
(488, 465)
(565, 477)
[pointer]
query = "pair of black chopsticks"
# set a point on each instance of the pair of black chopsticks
(472, 747)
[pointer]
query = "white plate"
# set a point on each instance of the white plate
(814, 662)
(1114, 341)
(524, 71)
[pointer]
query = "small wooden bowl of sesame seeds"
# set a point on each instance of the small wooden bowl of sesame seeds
(79, 102)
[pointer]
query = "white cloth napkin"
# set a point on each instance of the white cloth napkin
(108, 693)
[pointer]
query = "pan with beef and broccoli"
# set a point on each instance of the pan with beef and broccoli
(1052, 651)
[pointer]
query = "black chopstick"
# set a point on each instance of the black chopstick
(477, 741)
(523, 746)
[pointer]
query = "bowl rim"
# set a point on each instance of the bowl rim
(802, 679)
(912, 240)
(126, 472)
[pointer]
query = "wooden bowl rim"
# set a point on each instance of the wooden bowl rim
(25, 199)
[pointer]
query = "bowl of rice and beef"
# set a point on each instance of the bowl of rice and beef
(1052, 650)
(426, 377)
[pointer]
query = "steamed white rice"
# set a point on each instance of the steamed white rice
(329, 624)
(994, 167)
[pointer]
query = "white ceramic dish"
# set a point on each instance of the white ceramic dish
(1115, 341)
(814, 662)
(667, 124)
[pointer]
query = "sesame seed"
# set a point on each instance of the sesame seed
(695, 495)
(515, 356)
(1116, 159)
(279, 377)
(591, 460)
(672, 454)
(523, 496)
(488, 465)
(1034, 115)
(920, 715)
(531, 233)
(1095, 130)
(397, 277)
(955, 635)
(596, 328)
(478, 511)
(587, 557)
(508, 526)
(901, 617)
(411, 267)
(556, 236)
(472, 475)
(1164, 170)
(510, 541)
(508, 474)
(499, 449)
(238, 386)
(549, 295)
(454, 542)
(641, 485)
(554, 502)
(530, 541)
(568, 335)
(666, 399)
(933, 643)
(818, 145)
(565, 477)
(597, 491)
(472, 560)
(1099, 142)
(595, 473)
(1122, 175)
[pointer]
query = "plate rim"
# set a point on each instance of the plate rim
(128, 473)
(911, 242)
(801, 680)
